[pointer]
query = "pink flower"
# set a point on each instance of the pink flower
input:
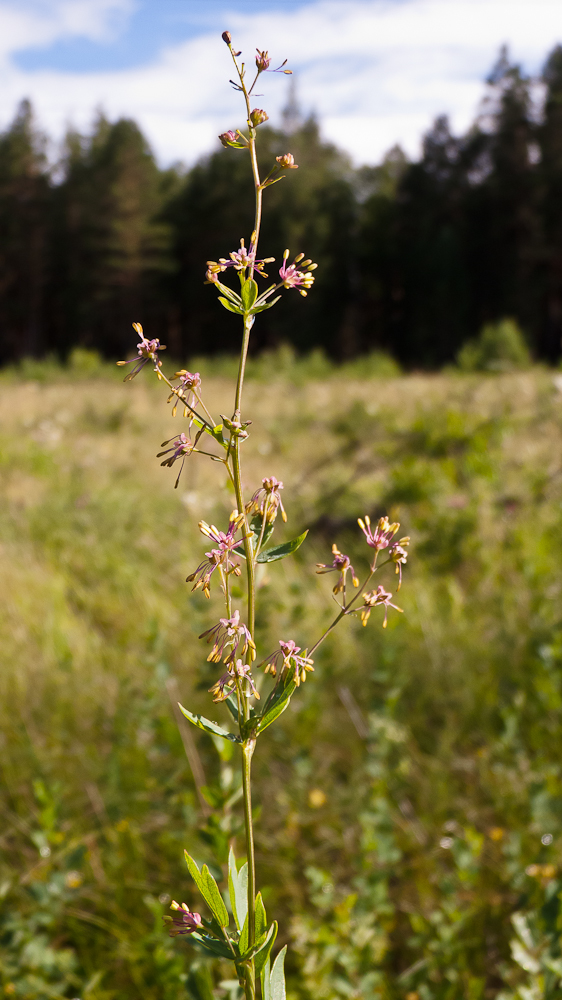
(373, 599)
(181, 448)
(187, 392)
(399, 556)
(227, 682)
(184, 920)
(268, 496)
(342, 565)
(288, 653)
(229, 632)
(147, 351)
(293, 278)
(224, 555)
(240, 260)
(381, 537)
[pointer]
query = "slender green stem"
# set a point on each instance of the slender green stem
(346, 609)
(248, 323)
(249, 744)
(248, 551)
(248, 752)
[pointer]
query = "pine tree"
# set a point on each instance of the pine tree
(24, 224)
(112, 244)
(550, 138)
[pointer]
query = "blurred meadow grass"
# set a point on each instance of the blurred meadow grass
(410, 800)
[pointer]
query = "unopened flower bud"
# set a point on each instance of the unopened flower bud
(262, 61)
(227, 138)
(287, 162)
(257, 117)
(227, 37)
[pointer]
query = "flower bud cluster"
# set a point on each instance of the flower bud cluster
(287, 162)
(258, 116)
(291, 277)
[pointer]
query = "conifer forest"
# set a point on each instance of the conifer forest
(425, 253)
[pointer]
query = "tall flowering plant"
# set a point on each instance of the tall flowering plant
(244, 935)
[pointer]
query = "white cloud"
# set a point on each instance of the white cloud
(47, 21)
(376, 72)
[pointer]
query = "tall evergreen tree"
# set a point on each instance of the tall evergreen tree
(505, 231)
(24, 228)
(550, 172)
(112, 246)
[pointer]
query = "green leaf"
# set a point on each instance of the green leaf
(244, 938)
(209, 727)
(265, 978)
(238, 890)
(261, 919)
(216, 432)
(265, 305)
(229, 293)
(208, 889)
(277, 978)
(212, 945)
(280, 551)
(216, 902)
(230, 306)
(275, 706)
(249, 294)
(232, 705)
(263, 953)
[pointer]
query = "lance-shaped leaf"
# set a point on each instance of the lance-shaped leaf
(277, 989)
(230, 306)
(261, 918)
(238, 890)
(265, 977)
(209, 727)
(255, 527)
(280, 551)
(274, 707)
(244, 938)
(208, 889)
(232, 705)
(228, 293)
(212, 945)
(249, 294)
(217, 433)
(260, 932)
(265, 305)
(263, 953)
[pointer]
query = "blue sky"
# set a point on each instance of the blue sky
(376, 72)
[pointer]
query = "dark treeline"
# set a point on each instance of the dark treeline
(414, 257)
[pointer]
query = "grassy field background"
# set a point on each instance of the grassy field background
(410, 801)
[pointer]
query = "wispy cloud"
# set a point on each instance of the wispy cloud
(375, 71)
